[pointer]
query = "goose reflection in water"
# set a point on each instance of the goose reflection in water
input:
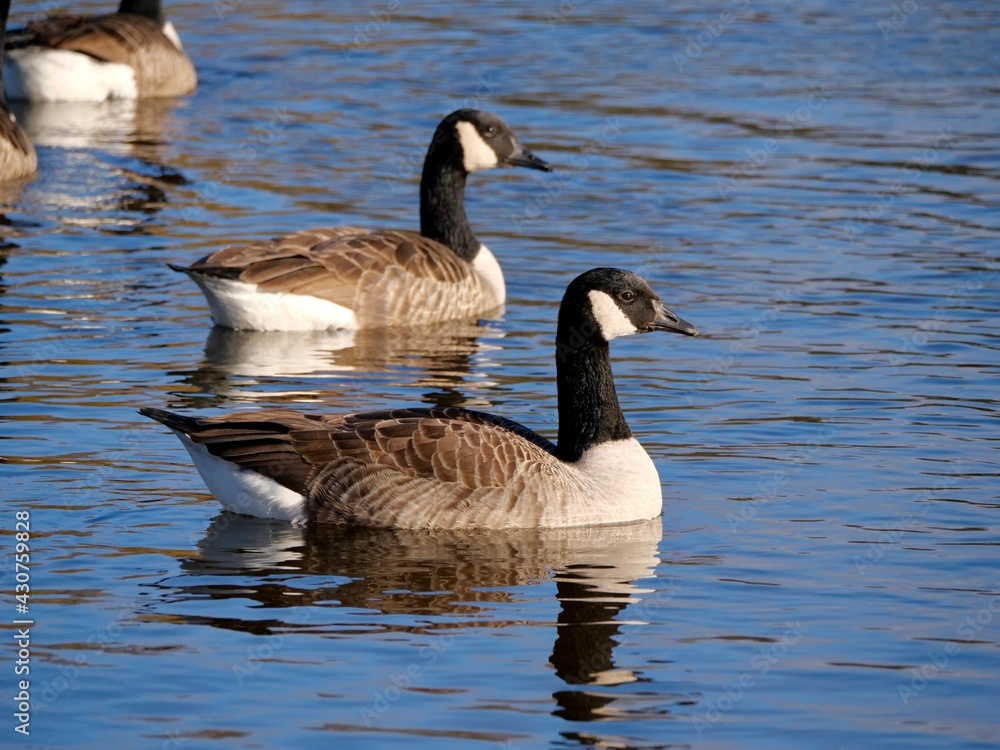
(410, 575)
(440, 358)
(100, 135)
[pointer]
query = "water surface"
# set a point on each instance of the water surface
(814, 185)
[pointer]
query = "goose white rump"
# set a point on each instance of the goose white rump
(54, 75)
(240, 305)
(243, 490)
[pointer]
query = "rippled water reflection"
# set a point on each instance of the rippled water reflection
(814, 185)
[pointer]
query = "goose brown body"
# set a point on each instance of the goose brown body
(142, 44)
(403, 468)
(386, 278)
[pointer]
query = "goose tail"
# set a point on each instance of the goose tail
(178, 422)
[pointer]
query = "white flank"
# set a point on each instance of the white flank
(244, 491)
(171, 33)
(51, 75)
(627, 484)
(476, 153)
(486, 266)
(239, 305)
(610, 318)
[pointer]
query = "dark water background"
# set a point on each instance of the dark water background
(813, 184)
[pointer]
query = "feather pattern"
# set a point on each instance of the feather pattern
(387, 278)
(409, 468)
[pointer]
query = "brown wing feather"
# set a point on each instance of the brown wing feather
(407, 467)
(425, 468)
(161, 69)
(386, 278)
(260, 441)
(233, 261)
(240, 257)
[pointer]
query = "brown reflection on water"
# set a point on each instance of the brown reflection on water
(96, 136)
(121, 126)
(458, 578)
(438, 359)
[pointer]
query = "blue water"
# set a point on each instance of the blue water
(814, 185)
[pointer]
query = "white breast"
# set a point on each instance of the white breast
(52, 75)
(486, 266)
(625, 484)
(244, 491)
(239, 305)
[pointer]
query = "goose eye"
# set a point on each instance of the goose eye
(627, 296)
(489, 131)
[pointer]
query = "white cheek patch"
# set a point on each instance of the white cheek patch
(476, 153)
(610, 318)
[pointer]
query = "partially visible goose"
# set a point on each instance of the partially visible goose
(131, 54)
(452, 468)
(17, 155)
(351, 278)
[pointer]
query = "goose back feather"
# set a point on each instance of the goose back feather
(386, 278)
(414, 468)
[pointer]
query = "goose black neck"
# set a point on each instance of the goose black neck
(4, 12)
(442, 198)
(149, 8)
(589, 413)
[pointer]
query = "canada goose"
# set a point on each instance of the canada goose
(17, 155)
(131, 54)
(346, 277)
(450, 468)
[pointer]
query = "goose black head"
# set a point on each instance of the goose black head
(480, 140)
(605, 303)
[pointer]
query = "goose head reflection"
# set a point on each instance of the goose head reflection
(356, 581)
